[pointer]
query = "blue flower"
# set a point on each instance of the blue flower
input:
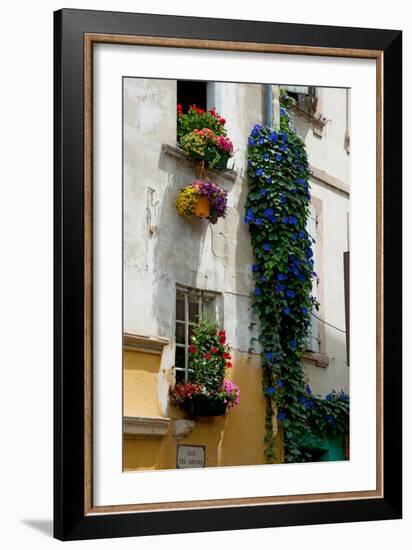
(290, 293)
(263, 191)
(281, 416)
(258, 221)
(271, 390)
(272, 219)
(308, 389)
(293, 344)
(343, 396)
(264, 279)
(269, 180)
(273, 137)
(256, 129)
(302, 400)
(249, 163)
(265, 156)
(300, 180)
(283, 147)
(295, 271)
(309, 252)
(278, 156)
(258, 292)
(314, 274)
(302, 234)
(282, 111)
(285, 219)
(255, 267)
(251, 141)
(283, 199)
(304, 310)
(269, 355)
(266, 246)
(280, 288)
(281, 277)
(329, 397)
(301, 277)
(286, 310)
(294, 236)
(284, 138)
(259, 172)
(268, 212)
(309, 404)
(279, 383)
(261, 141)
(293, 220)
(249, 216)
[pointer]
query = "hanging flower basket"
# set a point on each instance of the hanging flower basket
(204, 199)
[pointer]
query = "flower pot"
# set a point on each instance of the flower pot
(202, 405)
(202, 207)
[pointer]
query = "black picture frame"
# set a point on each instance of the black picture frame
(71, 522)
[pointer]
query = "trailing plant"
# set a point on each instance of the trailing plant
(277, 210)
(217, 197)
(209, 357)
(202, 136)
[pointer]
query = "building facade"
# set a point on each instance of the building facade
(179, 270)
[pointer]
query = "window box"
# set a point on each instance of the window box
(202, 405)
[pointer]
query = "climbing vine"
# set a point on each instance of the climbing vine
(277, 210)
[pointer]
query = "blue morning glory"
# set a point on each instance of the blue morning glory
(272, 219)
(294, 236)
(302, 233)
(269, 355)
(285, 219)
(278, 156)
(256, 129)
(268, 212)
(301, 277)
(269, 180)
(258, 292)
(266, 246)
(249, 216)
(271, 390)
(282, 199)
(259, 172)
(293, 344)
(280, 288)
(264, 279)
(309, 252)
(279, 383)
(265, 156)
(281, 416)
(283, 147)
(255, 267)
(304, 310)
(273, 136)
(251, 141)
(261, 141)
(293, 220)
(284, 137)
(263, 191)
(286, 310)
(308, 389)
(281, 277)
(258, 221)
(290, 293)
(282, 111)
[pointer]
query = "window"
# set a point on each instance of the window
(306, 106)
(192, 305)
(192, 92)
(313, 341)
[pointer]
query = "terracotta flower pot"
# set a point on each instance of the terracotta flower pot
(202, 207)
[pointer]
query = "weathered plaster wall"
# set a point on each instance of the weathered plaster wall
(233, 440)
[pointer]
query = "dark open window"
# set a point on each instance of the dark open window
(191, 92)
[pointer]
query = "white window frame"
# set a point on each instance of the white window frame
(202, 297)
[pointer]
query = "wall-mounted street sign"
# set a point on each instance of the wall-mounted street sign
(190, 456)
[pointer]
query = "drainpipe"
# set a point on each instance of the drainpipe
(268, 105)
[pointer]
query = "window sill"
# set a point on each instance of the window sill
(316, 359)
(147, 344)
(178, 154)
(145, 427)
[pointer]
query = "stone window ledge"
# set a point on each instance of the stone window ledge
(145, 427)
(317, 359)
(147, 344)
(179, 155)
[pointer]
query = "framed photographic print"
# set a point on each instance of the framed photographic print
(227, 274)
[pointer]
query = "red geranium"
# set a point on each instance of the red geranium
(226, 355)
(214, 350)
(229, 365)
(192, 348)
(179, 109)
(207, 356)
(222, 336)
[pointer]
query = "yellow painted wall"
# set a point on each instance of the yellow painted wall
(233, 440)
